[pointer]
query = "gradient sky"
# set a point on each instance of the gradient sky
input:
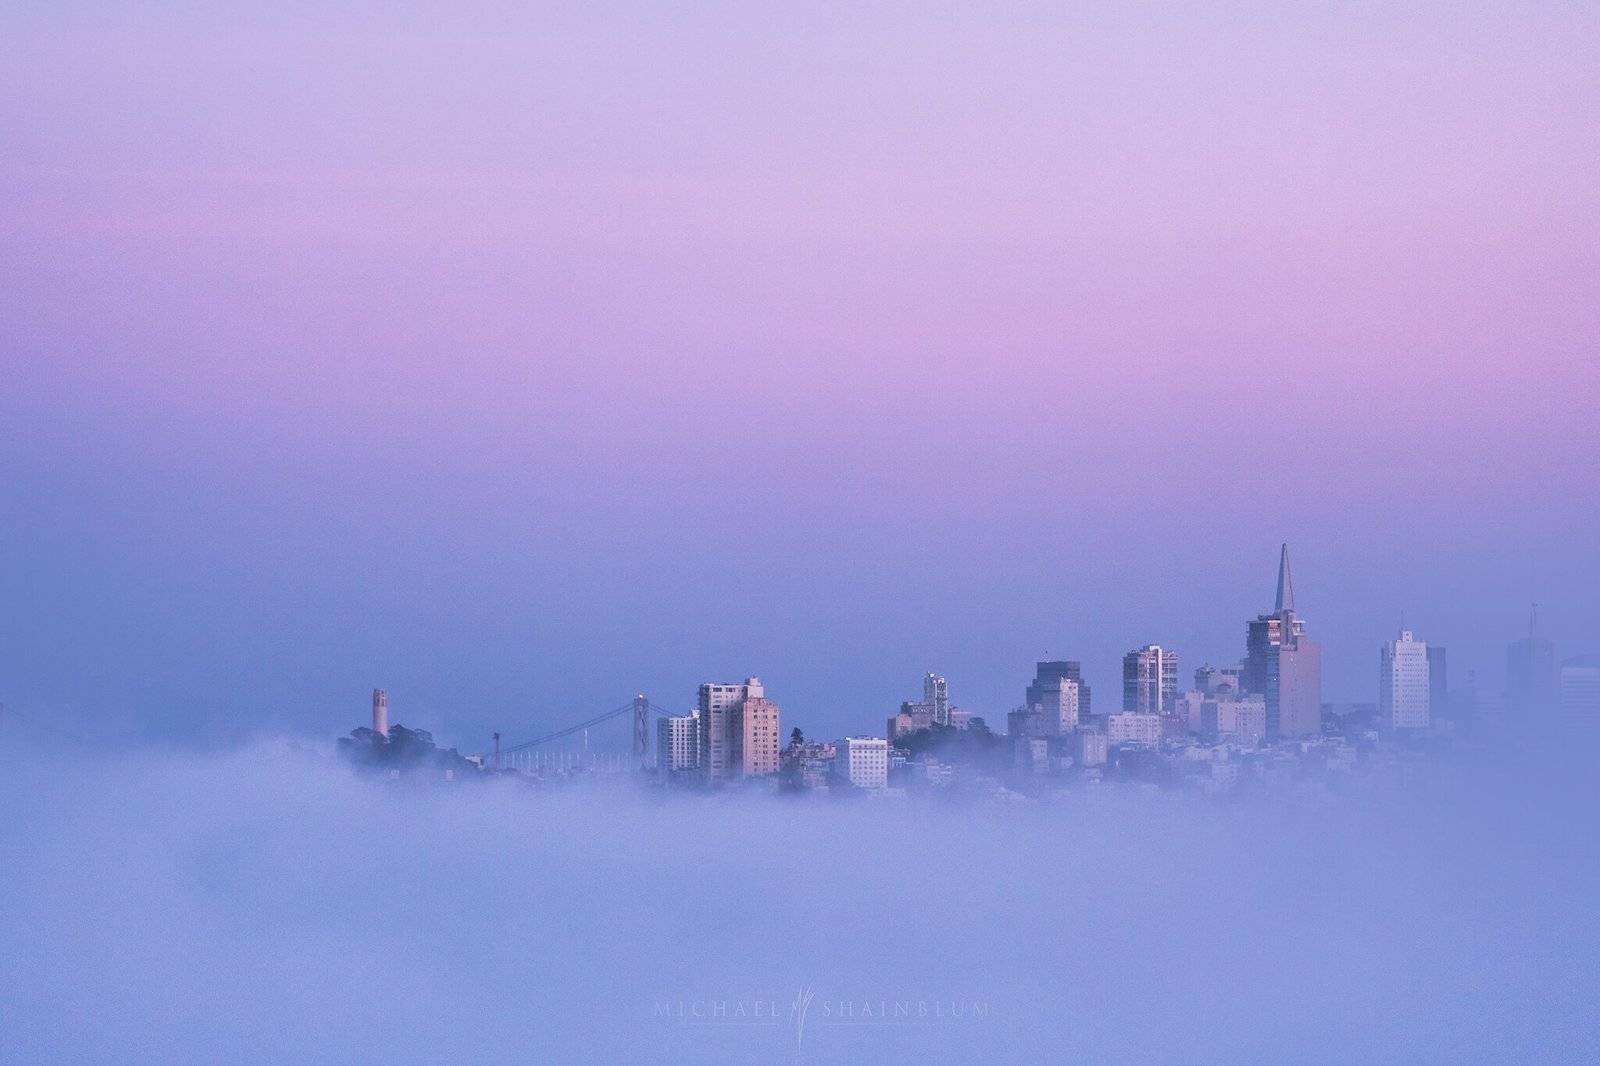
(517, 361)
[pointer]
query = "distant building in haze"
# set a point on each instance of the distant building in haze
(1580, 690)
(1532, 678)
(1213, 680)
(1150, 680)
(1285, 666)
(1133, 728)
(863, 761)
(1404, 686)
(1240, 718)
(936, 693)
(1438, 683)
(1058, 698)
(380, 712)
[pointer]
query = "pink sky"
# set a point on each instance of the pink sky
(839, 310)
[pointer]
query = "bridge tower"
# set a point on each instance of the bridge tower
(641, 730)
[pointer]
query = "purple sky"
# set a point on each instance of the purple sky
(518, 362)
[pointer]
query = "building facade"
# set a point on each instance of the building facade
(936, 694)
(1049, 675)
(1405, 691)
(678, 743)
(1058, 698)
(863, 761)
(755, 736)
(1580, 690)
(1132, 728)
(1150, 680)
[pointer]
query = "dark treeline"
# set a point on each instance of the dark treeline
(404, 750)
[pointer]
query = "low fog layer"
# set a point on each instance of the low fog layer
(267, 904)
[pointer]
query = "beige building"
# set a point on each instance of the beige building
(755, 735)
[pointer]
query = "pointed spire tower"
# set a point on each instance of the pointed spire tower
(1285, 585)
(1284, 666)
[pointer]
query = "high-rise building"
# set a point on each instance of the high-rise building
(1284, 665)
(1150, 680)
(1532, 678)
(1046, 686)
(863, 761)
(1058, 706)
(1438, 683)
(1404, 685)
(380, 712)
(755, 736)
(936, 692)
(1580, 690)
(678, 743)
(734, 744)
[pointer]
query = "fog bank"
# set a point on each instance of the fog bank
(267, 905)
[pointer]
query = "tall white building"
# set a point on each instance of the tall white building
(1403, 687)
(863, 761)
(936, 691)
(678, 742)
(1150, 680)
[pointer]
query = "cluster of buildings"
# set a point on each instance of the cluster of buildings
(1270, 701)
(732, 735)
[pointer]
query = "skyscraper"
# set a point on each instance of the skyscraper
(1438, 683)
(755, 737)
(1532, 684)
(678, 743)
(936, 691)
(1046, 676)
(738, 730)
(1404, 683)
(1150, 680)
(1284, 665)
(1057, 699)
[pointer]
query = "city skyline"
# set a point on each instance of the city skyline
(650, 533)
(712, 741)
(348, 361)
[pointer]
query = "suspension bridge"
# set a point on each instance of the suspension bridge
(526, 755)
